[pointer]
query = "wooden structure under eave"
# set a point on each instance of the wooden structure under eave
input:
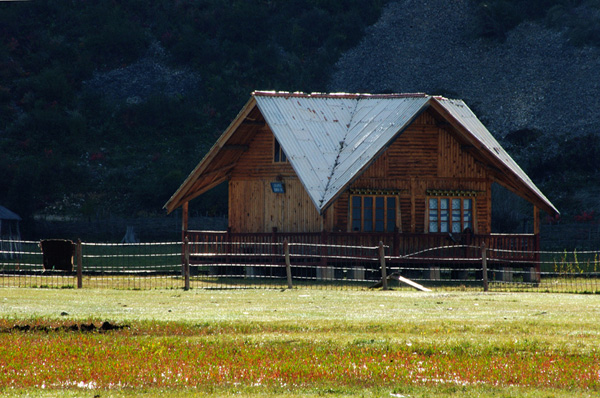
(358, 165)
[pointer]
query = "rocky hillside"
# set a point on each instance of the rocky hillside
(536, 91)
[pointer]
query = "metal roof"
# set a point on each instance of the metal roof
(330, 139)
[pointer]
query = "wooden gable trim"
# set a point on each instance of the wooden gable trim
(186, 191)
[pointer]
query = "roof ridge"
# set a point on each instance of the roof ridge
(298, 94)
(340, 149)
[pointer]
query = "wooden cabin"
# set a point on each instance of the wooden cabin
(411, 170)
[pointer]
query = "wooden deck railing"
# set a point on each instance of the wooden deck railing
(514, 250)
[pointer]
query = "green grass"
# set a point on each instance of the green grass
(301, 343)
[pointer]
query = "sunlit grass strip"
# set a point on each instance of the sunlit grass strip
(125, 359)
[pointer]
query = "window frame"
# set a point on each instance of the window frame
(370, 201)
(279, 155)
(466, 214)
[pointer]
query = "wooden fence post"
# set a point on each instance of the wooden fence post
(383, 269)
(537, 259)
(323, 251)
(184, 228)
(186, 264)
(288, 265)
(272, 259)
(79, 265)
(228, 247)
(484, 266)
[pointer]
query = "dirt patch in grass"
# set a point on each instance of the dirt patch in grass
(90, 327)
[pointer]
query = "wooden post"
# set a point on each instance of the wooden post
(484, 266)
(323, 251)
(383, 269)
(184, 219)
(537, 260)
(228, 241)
(288, 265)
(79, 265)
(536, 232)
(413, 208)
(184, 228)
(396, 250)
(186, 264)
(272, 257)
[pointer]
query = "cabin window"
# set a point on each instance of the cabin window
(450, 215)
(373, 213)
(278, 155)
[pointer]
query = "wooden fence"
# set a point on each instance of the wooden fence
(516, 250)
(235, 264)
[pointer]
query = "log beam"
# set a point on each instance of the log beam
(184, 219)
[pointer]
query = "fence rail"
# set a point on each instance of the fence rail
(234, 264)
(520, 246)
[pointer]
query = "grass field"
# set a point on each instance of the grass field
(298, 343)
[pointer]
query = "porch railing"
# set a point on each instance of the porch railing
(520, 250)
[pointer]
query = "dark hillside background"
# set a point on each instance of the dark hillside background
(106, 106)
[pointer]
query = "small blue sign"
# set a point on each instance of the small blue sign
(277, 187)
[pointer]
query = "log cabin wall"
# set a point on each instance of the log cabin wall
(426, 156)
(254, 207)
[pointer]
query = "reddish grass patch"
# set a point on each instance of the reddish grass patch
(174, 356)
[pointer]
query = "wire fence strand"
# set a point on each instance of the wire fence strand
(219, 265)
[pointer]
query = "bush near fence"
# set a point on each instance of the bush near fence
(160, 265)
